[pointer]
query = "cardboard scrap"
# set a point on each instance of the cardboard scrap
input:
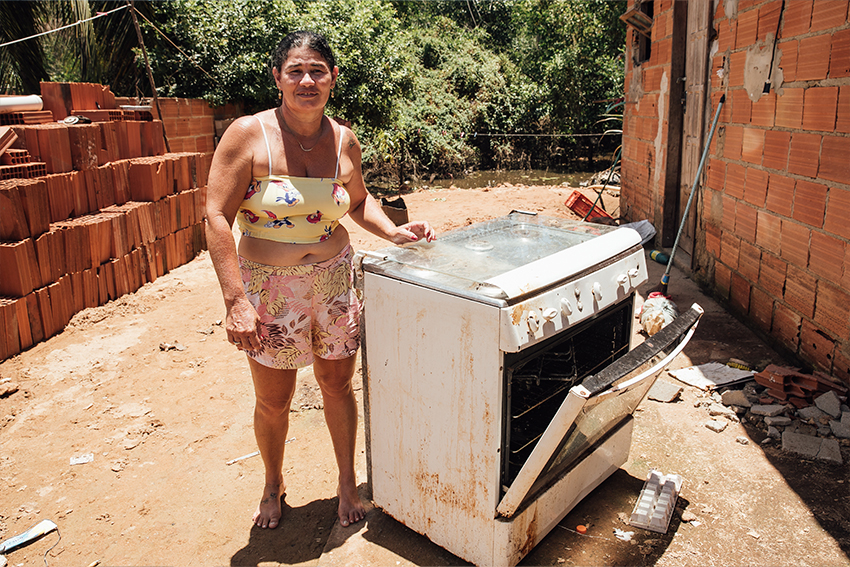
(711, 375)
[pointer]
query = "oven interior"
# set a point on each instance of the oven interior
(538, 379)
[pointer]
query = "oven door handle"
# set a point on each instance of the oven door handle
(663, 340)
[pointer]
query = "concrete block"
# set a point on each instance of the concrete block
(735, 398)
(664, 392)
(768, 410)
(829, 403)
(778, 421)
(806, 446)
(840, 429)
(811, 412)
(830, 451)
(716, 425)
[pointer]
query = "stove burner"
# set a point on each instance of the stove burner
(478, 245)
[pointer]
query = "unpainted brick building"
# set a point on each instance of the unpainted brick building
(769, 226)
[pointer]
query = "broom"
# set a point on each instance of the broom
(665, 279)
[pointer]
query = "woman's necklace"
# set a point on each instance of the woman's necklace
(294, 135)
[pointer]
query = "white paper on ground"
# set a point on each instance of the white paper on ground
(711, 375)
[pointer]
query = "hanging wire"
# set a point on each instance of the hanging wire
(99, 15)
(173, 44)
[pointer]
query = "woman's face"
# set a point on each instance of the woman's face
(305, 79)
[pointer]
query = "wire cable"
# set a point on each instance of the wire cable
(100, 15)
(173, 44)
(51, 547)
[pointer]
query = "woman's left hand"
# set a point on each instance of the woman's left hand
(413, 232)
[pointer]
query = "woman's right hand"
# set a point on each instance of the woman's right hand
(243, 326)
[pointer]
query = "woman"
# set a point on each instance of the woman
(287, 175)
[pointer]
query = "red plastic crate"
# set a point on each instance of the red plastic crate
(581, 205)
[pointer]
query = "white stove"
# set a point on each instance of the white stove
(499, 378)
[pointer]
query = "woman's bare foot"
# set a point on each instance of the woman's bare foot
(268, 510)
(351, 509)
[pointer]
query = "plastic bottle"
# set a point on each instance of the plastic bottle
(659, 256)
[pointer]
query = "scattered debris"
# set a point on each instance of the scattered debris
(242, 458)
(82, 459)
(207, 331)
(688, 516)
(656, 502)
(170, 346)
(742, 440)
(789, 385)
(717, 426)
(711, 375)
(664, 392)
(7, 389)
(753, 533)
(623, 535)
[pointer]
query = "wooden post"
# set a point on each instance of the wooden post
(150, 73)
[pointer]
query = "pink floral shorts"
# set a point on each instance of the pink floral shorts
(305, 310)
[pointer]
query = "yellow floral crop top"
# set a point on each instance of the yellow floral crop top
(296, 210)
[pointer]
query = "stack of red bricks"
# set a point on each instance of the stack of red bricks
(789, 385)
(111, 212)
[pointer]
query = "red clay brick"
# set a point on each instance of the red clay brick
(739, 297)
(835, 159)
(768, 231)
(737, 66)
(752, 145)
(722, 279)
(827, 14)
(768, 19)
(761, 309)
(838, 212)
(797, 18)
(803, 157)
(733, 142)
(786, 325)
(794, 244)
(787, 59)
(839, 62)
(746, 218)
(764, 110)
(726, 32)
(735, 175)
(842, 123)
(826, 257)
(730, 246)
(780, 194)
(810, 203)
(816, 345)
(748, 23)
(755, 187)
(776, 144)
(841, 366)
(819, 108)
(800, 291)
(789, 108)
(772, 275)
(742, 106)
(716, 174)
(748, 261)
(728, 216)
(813, 58)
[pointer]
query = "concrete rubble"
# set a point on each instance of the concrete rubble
(807, 413)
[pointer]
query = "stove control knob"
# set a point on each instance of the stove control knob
(623, 279)
(634, 272)
(533, 323)
(549, 314)
(597, 291)
(566, 308)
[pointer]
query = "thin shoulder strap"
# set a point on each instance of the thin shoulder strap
(268, 148)
(338, 153)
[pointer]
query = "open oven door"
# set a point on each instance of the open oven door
(596, 407)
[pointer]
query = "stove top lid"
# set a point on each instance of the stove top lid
(506, 257)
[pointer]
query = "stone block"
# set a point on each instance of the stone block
(840, 429)
(811, 412)
(735, 398)
(806, 446)
(778, 421)
(829, 403)
(830, 450)
(768, 410)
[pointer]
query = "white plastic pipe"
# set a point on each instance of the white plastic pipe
(20, 103)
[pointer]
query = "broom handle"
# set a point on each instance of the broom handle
(666, 278)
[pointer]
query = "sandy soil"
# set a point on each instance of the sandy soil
(149, 388)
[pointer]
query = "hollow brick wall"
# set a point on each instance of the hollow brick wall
(773, 215)
(110, 212)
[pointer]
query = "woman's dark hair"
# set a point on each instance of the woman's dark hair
(302, 38)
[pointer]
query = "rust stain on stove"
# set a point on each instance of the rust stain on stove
(516, 314)
(530, 536)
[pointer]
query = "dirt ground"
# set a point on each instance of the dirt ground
(149, 388)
